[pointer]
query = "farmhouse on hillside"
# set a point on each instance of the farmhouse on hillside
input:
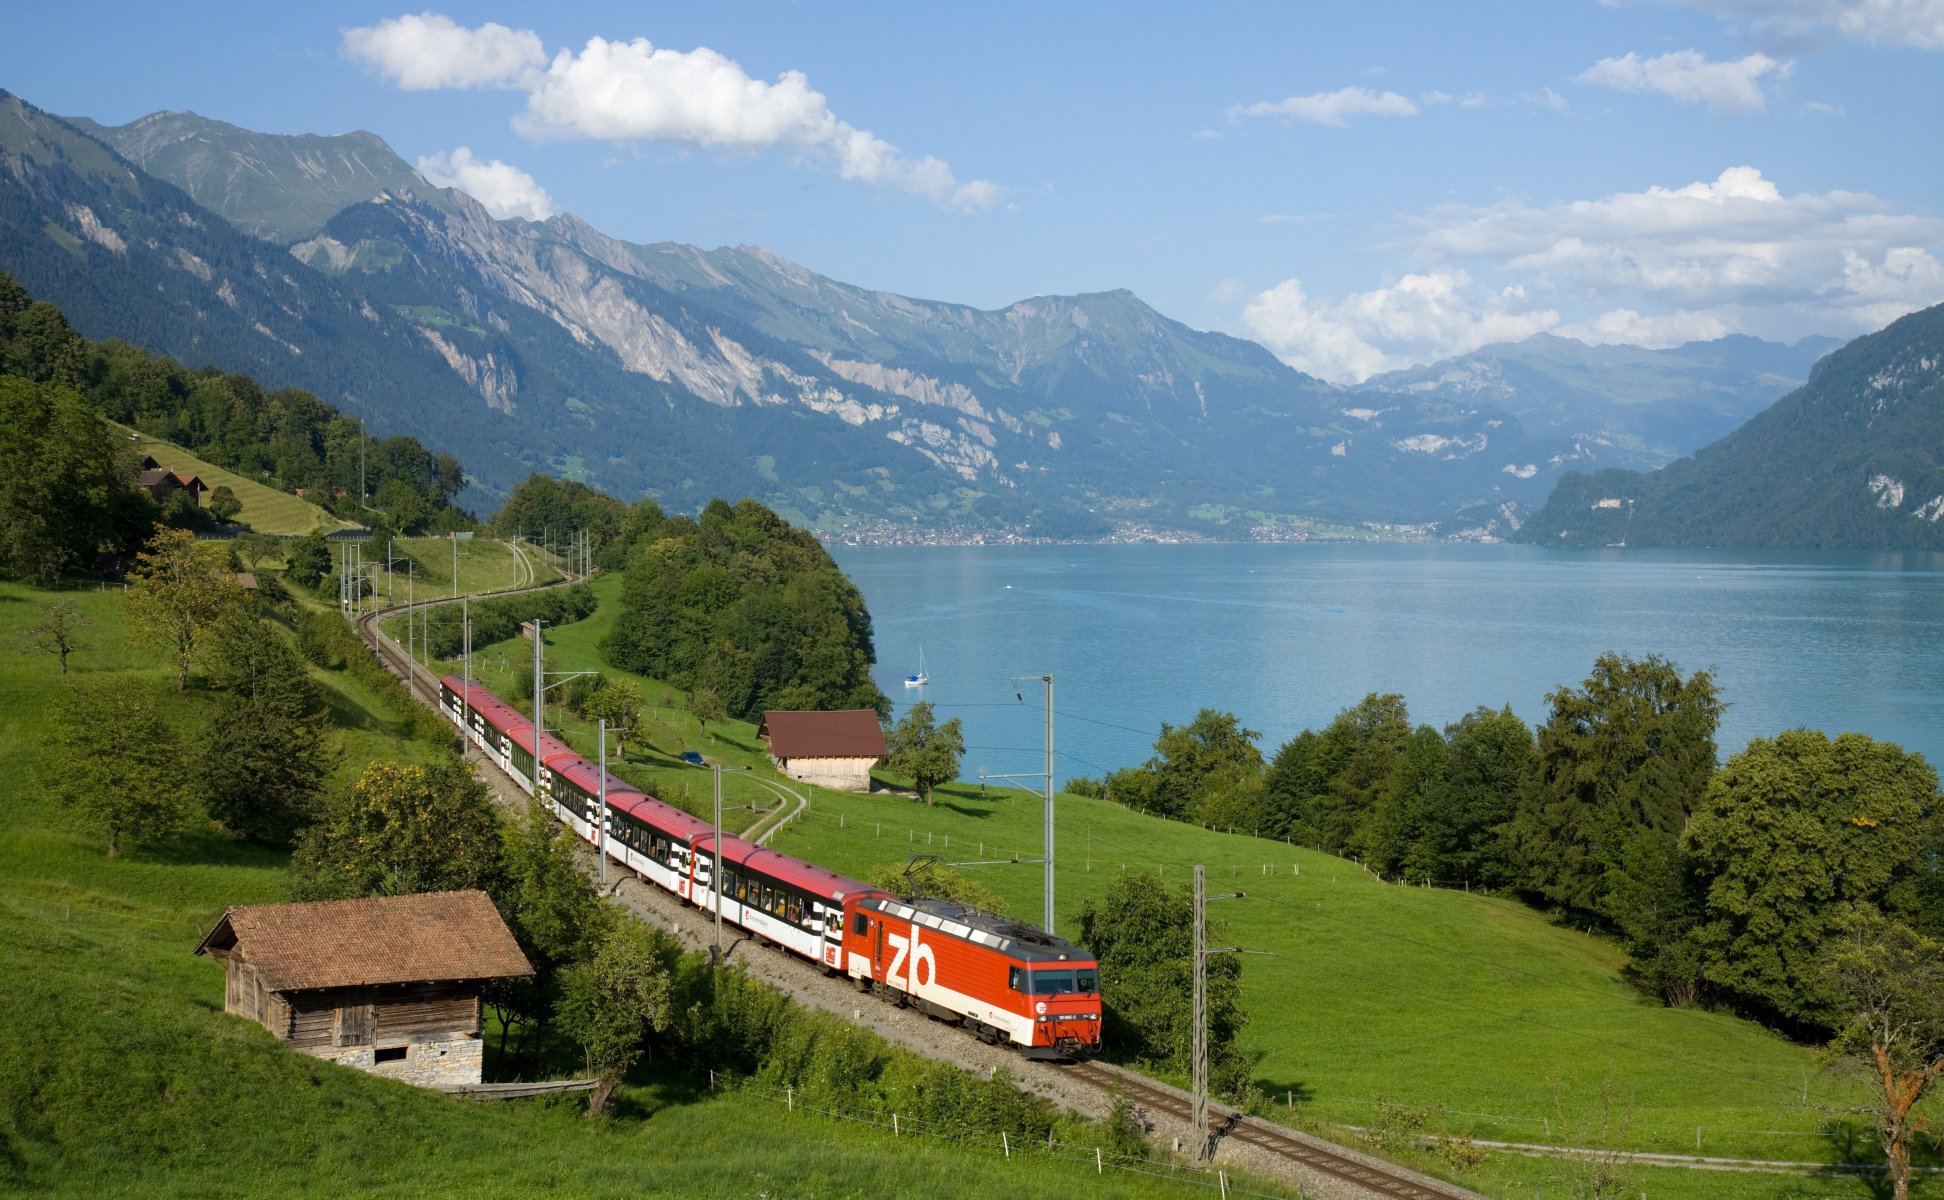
(829, 749)
(161, 483)
(388, 984)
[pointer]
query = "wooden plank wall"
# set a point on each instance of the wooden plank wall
(364, 1016)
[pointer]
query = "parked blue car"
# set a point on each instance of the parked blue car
(693, 758)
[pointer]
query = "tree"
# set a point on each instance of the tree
(1630, 751)
(255, 548)
(1392, 837)
(265, 755)
(1143, 935)
(1190, 760)
(611, 1002)
(116, 763)
(555, 914)
(182, 594)
(57, 631)
(308, 559)
(1887, 984)
(1793, 830)
(705, 706)
(1488, 756)
(926, 876)
(620, 705)
(223, 504)
(402, 829)
(925, 750)
(67, 483)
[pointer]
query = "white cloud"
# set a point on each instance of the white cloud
(1736, 254)
(1547, 98)
(1687, 76)
(429, 51)
(1330, 108)
(1468, 100)
(504, 189)
(1419, 318)
(635, 91)
(1918, 24)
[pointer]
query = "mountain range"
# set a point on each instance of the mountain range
(328, 263)
(1854, 458)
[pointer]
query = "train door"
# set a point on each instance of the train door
(684, 881)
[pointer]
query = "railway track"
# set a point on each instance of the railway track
(1316, 1161)
(1309, 1154)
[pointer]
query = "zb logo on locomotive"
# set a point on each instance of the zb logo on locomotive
(921, 957)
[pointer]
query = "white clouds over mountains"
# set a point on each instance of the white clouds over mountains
(1734, 254)
(505, 190)
(635, 91)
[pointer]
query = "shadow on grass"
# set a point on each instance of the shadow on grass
(209, 845)
(1283, 1095)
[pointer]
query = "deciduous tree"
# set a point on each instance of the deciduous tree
(265, 755)
(1886, 983)
(613, 1001)
(222, 503)
(555, 914)
(182, 592)
(1791, 831)
(402, 829)
(705, 706)
(1143, 935)
(57, 631)
(619, 704)
(116, 763)
(924, 749)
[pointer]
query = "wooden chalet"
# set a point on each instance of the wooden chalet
(161, 483)
(829, 749)
(388, 984)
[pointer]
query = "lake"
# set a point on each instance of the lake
(1286, 636)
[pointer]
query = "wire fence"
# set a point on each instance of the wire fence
(1010, 1144)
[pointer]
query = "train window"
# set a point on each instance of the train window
(1086, 981)
(1016, 980)
(1052, 983)
(796, 910)
(860, 924)
(776, 904)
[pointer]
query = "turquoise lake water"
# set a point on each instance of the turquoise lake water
(1285, 636)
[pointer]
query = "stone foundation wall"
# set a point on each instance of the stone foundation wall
(838, 774)
(461, 1060)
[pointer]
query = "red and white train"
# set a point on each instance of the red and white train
(1006, 981)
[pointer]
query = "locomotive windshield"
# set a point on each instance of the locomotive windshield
(1063, 983)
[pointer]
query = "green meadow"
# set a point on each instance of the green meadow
(1490, 1019)
(121, 1076)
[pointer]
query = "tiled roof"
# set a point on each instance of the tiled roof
(852, 734)
(383, 939)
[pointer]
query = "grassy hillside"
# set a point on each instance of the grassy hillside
(265, 509)
(1502, 1024)
(121, 1076)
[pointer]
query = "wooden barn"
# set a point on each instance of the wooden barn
(389, 984)
(829, 749)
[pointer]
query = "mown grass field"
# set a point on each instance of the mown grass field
(485, 565)
(121, 1076)
(1502, 1024)
(265, 509)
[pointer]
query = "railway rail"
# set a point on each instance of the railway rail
(1309, 1153)
(1322, 1166)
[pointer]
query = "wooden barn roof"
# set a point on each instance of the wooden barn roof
(383, 939)
(851, 734)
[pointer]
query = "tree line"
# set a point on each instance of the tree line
(1724, 882)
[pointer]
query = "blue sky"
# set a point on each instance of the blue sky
(1357, 186)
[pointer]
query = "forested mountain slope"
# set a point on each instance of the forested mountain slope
(1854, 458)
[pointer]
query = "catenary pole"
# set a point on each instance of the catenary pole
(604, 806)
(1199, 1067)
(715, 874)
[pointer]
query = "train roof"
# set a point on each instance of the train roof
(551, 747)
(503, 716)
(685, 826)
(1017, 938)
(794, 871)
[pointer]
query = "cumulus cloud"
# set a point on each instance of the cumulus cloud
(1735, 254)
(1918, 24)
(1687, 76)
(429, 51)
(636, 91)
(1419, 318)
(1330, 108)
(504, 189)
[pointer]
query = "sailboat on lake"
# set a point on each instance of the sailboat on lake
(920, 679)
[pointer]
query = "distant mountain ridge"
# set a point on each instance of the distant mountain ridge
(1852, 459)
(687, 373)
